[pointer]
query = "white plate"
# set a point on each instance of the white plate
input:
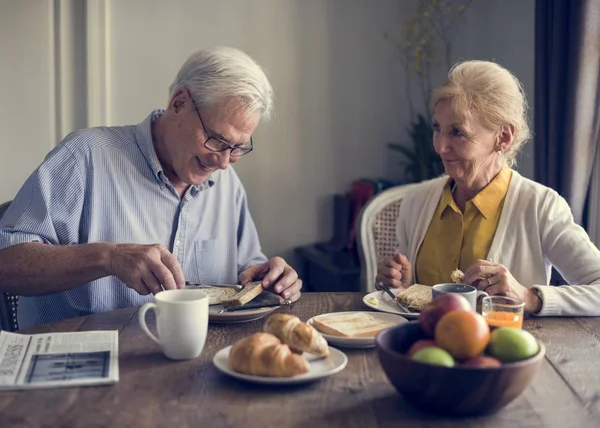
(242, 315)
(319, 368)
(360, 342)
(385, 304)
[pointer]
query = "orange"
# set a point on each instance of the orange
(464, 334)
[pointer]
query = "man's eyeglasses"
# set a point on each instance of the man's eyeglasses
(218, 144)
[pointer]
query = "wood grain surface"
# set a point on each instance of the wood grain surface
(156, 392)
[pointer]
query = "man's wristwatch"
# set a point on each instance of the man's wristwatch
(538, 292)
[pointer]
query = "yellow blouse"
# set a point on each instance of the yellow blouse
(456, 239)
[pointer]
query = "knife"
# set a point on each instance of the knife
(393, 296)
(263, 300)
(198, 285)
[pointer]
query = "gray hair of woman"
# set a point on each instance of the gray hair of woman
(223, 73)
(490, 93)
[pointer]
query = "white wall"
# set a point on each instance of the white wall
(339, 89)
(26, 90)
(503, 31)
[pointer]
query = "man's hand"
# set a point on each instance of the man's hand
(278, 275)
(145, 268)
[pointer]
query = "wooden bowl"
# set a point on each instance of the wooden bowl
(450, 391)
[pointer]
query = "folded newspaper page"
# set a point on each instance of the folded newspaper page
(58, 359)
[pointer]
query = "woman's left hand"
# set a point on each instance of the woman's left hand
(496, 280)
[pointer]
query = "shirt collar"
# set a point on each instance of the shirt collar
(448, 199)
(143, 135)
(487, 200)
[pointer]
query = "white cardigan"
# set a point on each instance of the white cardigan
(536, 231)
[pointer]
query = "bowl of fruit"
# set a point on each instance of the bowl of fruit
(448, 362)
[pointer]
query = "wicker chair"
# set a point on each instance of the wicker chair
(377, 232)
(8, 302)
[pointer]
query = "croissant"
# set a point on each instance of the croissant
(299, 336)
(262, 354)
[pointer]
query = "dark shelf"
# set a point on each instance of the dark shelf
(329, 271)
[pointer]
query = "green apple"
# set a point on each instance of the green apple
(434, 355)
(509, 344)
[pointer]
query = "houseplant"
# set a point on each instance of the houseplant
(425, 47)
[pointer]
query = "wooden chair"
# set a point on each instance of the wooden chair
(8, 301)
(377, 232)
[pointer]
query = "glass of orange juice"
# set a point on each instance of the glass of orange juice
(501, 311)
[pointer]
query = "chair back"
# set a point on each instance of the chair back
(377, 232)
(8, 301)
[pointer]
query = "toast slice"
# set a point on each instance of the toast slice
(355, 324)
(249, 292)
(457, 276)
(217, 295)
(415, 297)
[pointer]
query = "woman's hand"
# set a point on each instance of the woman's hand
(395, 272)
(496, 280)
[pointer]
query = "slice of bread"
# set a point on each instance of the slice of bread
(415, 297)
(354, 324)
(457, 275)
(218, 295)
(249, 292)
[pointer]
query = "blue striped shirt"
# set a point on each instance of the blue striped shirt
(106, 185)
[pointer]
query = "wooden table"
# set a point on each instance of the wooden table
(156, 392)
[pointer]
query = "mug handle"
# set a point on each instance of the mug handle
(480, 295)
(142, 319)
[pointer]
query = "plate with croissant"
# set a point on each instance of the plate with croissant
(354, 329)
(287, 351)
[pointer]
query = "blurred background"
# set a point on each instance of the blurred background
(343, 86)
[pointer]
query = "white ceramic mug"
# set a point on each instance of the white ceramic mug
(468, 291)
(181, 322)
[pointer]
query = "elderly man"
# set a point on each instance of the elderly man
(115, 214)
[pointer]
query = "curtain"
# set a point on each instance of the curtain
(567, 97)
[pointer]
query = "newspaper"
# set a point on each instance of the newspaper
(58, 359)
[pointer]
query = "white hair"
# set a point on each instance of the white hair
(221, 73)
(491, 93)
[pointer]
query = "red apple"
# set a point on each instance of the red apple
(482, 362)
(420, 344)
(436, 309)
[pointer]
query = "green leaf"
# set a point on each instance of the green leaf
(420, 161)
(404, 150)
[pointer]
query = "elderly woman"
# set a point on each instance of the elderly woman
(504, 231)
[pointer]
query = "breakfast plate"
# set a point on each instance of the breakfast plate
(380, 301)
(241, 315)
(360, 342)
(319, 368)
